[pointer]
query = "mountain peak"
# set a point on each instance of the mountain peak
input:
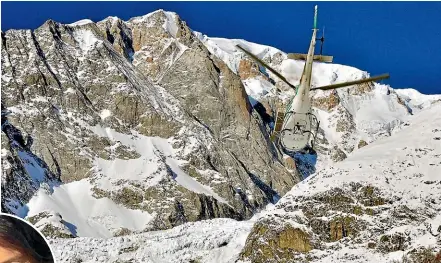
(81, 22)
(169, 20)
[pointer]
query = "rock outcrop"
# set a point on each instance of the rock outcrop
(96, 95)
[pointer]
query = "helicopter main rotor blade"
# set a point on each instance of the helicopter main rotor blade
(263, 64)
(350, 83)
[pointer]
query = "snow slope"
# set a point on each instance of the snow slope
(81, 22)
(405, 169)
(417, 100)
(89, 216)
(155, 153)
(102, 217)
(226, 50)
(86, 39)
(257, 89)
(412, 150)
(217, 240)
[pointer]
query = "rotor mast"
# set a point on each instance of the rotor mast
(305, 81)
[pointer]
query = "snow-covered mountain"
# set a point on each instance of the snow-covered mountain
(144, 128)
(119, 127)
(379, 205)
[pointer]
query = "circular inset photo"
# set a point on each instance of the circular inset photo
(20, 242)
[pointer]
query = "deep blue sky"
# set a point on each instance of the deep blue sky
(402, 38)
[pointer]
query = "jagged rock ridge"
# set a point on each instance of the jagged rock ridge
(135, 115)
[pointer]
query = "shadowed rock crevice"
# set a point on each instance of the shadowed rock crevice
(271, 195)
(43, 59)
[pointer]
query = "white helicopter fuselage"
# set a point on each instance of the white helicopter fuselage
(296, 129)
(295, 133)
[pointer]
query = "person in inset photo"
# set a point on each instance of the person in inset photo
(21, 243)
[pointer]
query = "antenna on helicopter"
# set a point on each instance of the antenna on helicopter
(320, 57)
(322, 39)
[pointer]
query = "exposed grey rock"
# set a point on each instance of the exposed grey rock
(18, 184)
(139, 78)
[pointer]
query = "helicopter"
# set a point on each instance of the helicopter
(296, 127)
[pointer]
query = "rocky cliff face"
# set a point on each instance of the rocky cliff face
(144, 116)
(23, 172)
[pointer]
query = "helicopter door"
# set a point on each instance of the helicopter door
(278, 123)
(280, 117)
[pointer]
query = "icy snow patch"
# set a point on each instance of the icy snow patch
(91, 217)
(33, 169)
(217, 240)
(257, 88)
(322, 73)
(226, 49)
(54, 219)
(191, 184)
(142, 169)
(105, 113)
(326, 124)
(81, 22)
(86, 39)
(170, 23)
(416, 98)
(153, 151)
(374, 119)
(6, 78)
(140, 19)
